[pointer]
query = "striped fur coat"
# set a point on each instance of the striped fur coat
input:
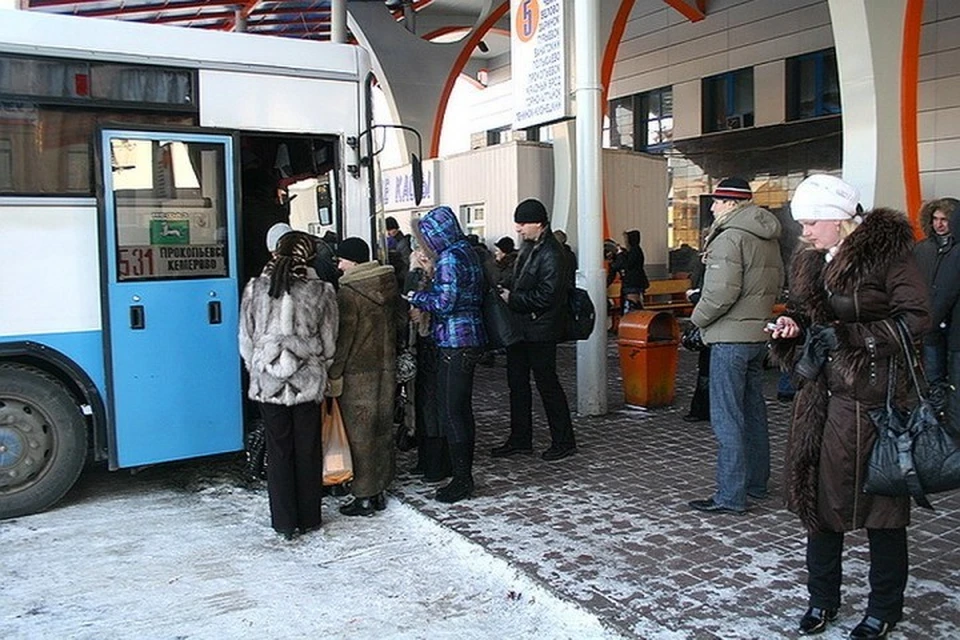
(288, 343)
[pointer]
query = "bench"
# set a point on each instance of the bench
(668, 295)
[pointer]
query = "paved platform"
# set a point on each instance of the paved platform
(609, 528)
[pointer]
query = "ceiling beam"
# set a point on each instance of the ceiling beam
(693, 14)
(146, 8)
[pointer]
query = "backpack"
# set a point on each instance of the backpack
(581, 315)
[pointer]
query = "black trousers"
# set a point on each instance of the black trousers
(700, 402)
(541, 359)
(454, 393)
(888, 571)
(294, 465)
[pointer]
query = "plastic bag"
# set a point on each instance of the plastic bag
(337, 461)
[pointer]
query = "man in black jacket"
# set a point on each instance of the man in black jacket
(938, 257)
(539, 296)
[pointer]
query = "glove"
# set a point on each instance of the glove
(820, 342)
(334, 388)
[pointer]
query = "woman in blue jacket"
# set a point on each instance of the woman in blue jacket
(453, 301)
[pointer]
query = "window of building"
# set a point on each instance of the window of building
(728, 101)
(622, 123)
(474, 218)
(498, 135)
(813, 85)
(656, 113)
(642, 122)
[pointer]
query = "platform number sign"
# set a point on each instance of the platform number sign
(539, 49)
(527, 20)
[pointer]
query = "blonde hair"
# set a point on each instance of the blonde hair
(847, 227)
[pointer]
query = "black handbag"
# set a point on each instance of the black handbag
(503, 326)
(915, 453)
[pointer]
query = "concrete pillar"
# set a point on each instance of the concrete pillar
(868, 36)
(592, 353)
(338, 21)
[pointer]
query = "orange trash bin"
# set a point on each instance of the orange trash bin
(648, 342)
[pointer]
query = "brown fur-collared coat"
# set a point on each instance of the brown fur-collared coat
(872, 278)
(366, 361)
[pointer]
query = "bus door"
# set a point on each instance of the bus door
(170, 270)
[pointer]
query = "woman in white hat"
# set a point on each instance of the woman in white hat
(854, 278)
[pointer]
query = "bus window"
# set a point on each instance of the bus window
(171, 218)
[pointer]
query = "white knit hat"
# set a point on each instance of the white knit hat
(824, 197)
(276, 232)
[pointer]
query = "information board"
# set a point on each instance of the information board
(539, 61)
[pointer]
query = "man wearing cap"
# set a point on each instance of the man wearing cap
(539, 297)
(742, 276)
(398, 249)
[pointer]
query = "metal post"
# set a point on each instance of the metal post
(239, 20)
(592, 353)
(338, 21)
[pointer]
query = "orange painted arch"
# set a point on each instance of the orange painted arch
(909, 77)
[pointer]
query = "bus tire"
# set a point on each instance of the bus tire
(43, 440)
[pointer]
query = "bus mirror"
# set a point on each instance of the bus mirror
(416, 168)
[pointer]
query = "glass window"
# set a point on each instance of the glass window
(728, 101)
(658, 107)
(621, 123)
(6, 165)
(170, 205)
(475, 219)
(49, 149)
(141, 84)
(78, 81)
(813, 85)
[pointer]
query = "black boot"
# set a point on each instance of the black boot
(461, 487)
(436, 459)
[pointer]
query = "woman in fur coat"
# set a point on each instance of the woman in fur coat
(364, 372)
(288, 333)
(846, 290)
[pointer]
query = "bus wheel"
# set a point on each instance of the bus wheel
(43, 440)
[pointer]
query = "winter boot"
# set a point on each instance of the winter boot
(461, 487)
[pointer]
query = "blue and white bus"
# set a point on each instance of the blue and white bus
(129, 155)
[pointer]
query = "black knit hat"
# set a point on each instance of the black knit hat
(505, 244)
(733, 189)
(530, 210)
(391, 223)
(355, 250)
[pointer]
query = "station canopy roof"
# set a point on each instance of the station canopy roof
(305, 19)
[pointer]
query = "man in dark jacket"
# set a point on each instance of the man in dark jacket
(399, 249)
(539, 296)
(938, 258)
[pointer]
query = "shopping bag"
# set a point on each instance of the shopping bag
(502, 325)
(337, 462)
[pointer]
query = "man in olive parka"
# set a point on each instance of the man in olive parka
(742, 277)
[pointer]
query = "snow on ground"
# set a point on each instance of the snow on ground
(150, 556)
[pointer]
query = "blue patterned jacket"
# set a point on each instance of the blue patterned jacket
(456, 293)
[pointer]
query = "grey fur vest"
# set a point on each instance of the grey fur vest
(287, 343)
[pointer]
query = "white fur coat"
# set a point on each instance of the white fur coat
(287, 343)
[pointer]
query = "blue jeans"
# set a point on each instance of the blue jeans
(738, 414)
